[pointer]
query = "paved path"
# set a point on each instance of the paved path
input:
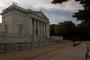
(74, 53)
(55, 52)
(68, 53)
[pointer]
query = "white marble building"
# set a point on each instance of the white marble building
(18, 20)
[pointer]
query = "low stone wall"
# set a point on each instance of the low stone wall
(14, 38)
(18, 38)
(9, 47)
(14, 42)
(57, 38)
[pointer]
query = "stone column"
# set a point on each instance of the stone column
(44, 29)
(47, 30)
(41, 28)
(34, 27)
(3, 23)
(38, 28)
(30, 26)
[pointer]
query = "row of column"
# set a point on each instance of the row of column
(39, 28)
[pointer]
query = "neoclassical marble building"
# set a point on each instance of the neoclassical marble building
(18, 20)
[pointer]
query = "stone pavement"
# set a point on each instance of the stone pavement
(74, 53)
(64, 51)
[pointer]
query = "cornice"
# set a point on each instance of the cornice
(15, 7)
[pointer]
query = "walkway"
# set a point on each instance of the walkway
(74, 53)
(56, 52)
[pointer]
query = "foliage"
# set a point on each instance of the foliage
(65, 29)
(82, 15)
(59, 1)
(68, 30)
(53, 29)
(83, 31)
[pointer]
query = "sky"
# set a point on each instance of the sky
(55, 12)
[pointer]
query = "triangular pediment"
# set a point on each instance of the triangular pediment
(41, 14)
(15, 7)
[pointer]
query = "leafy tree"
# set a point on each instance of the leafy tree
(65, 29)
(82, 15)
(83, 30)
(53, 29)
(60, 29)
(56, 29)
(59, 1)
(68, 29)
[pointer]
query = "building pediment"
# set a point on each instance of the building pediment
(41, 14)
(15, 7)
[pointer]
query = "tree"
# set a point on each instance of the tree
(59, 1)
(60, 29)
(65, 29)
(53, 29)
(56, 29)
(68, 29)
(82, 15)
(83, 30)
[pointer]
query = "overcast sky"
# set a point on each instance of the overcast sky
(55, 12)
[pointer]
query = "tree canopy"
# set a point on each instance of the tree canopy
(83, 31)
(59, 1)
(82, 15)
(65, 29)
(68, 30)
